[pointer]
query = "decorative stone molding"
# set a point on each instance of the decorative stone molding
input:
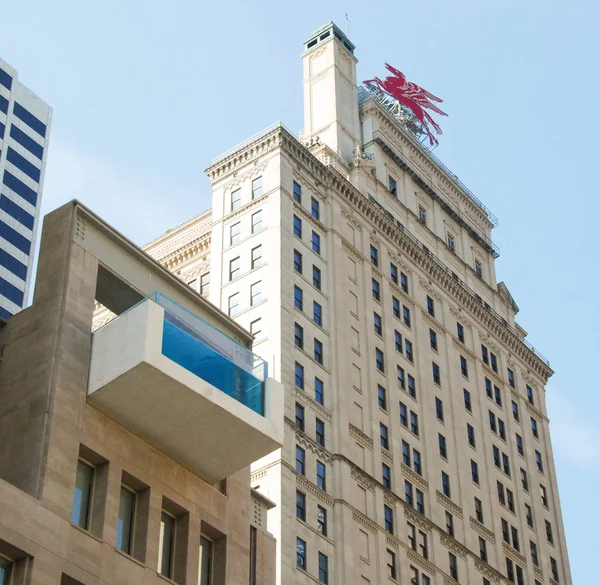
(462, 348)
(302, 396)
(449, 504)
(376, 271)
(351, 219)
(308, 217)
(258, 475)
(449, 581)
(310, 487)
(389, 500)
(511, 552)
(309, 444)
(363, 480)
(435, 324)
(479, 527)
(430, 290)
(460, 315)
(399, 262)
(538, 572)
(360, 436)
(534, 411)
(491, 374)
(418, 519)
(387, 456)
(371, 526)
(414, 476)
(487, 571)
(405, 298)
(351, 250)
(423, 563)
(393, 542)
(454, 546)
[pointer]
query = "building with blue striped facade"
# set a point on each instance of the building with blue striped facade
(24, 131)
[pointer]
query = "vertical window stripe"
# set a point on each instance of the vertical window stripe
(20, 188)
(17, 268)
(23, 164)
(15, 238)
(11, 292)
(16, 212)
(27, 142)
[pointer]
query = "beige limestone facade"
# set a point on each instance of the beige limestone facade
(98, 488)
(417, 447)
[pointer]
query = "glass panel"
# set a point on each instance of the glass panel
(5, 570)
(205, 571)
(80, 514)
(125, 520)
(166, 545)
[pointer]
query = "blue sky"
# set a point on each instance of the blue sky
(146, 93)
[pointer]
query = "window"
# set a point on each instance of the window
(417, 462)
(449, 524)
(493, 362)
(5, 564)
(405, 453)
(450, 241)
(422, 215)
(205, 283)
(257, 221)
(381, 398)
(234, 268)
(505, 531)
(430, 306)
(297, 262)
(488, 389)
(453, 566)
(297, 192)
(82, 499)
(300, 416)
(464, 367)
(315, 208)
(316, 273)
(414, 423)
(467, 396)
(319, 391)
(412, 536)
(483, 549)
(492, 417)
(255, 328)
(474, 472)
(234, 233)
(530, 395)
(471, 435)
(501, 429)
(236, 199)
(379, 362)
(403, 415)
(408, 493)
(485, 355)
(498, 395)
(297, 227)
(433, 340)
(383, 436)
(442, 446)
(300, 505)
(317, 313)
(420, 501)
(534, 428)
(534, 554)
(544, 496)
(388, 516)
(321, 478)
(256, 257)
(520, 447)
(300, 460)
(515, 538)
(510, 498)
(301, 552)
(125, 520)
(554, 569)
(299, 375)
(501, 493)
(529, 515)
(478, 510)
(505, 464)
(511, 377)
(322, 520)
(412, 389)
(401, 377)
(439, 409)
(478, 269)
(549, 536)
(460, 332)
(257, 187)
(318, 351)
(166, 545)
(391, 564)
(538, 462)
(386, 475)
(496, 455)
(510, 570)
(408, 348)
(436, 373)
(298, 336)
(316, 242)
(446, 484)
(323, 568)
(406, 315)
(374, 256)
(392, 186)
(394, 273)
(396, 307)
(377, 326)
(376, 290)
(298, 298)
(404, 282)
(524, 480)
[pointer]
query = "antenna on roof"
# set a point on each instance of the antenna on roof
(348, 21)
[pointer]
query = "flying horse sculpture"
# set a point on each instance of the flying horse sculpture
(414, 97)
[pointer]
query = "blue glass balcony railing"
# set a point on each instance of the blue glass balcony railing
(210, 354)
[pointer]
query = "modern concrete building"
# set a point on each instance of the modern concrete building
(24, 133)
(417, 448)
(126, 445)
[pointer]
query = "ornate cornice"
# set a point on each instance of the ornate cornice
(487, 571)
(310, 487)
(365, 440)
(305, 441)
(387, 456)
(351, 249)
(418, 519)
(368, 524)
(363, 479)
(463, 349)
(479, 527)
(449, 504)
(511, 552)
(414, 476)
(454, 546)
(423, 563)
(306, 399)
(432, 322)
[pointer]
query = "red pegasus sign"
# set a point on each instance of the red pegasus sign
(414, 97)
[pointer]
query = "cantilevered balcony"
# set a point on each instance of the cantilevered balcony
(186, 388)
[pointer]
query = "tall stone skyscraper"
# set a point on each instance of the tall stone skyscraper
(417, 448)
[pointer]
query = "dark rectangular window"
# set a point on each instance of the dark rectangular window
(300, 460)
(485, 355)
(16, 212)
(520, 448)
(515, 538)
(322, 520)
(298, 336)
(460, 331)
(299, 375)
(29, 119)
(467, 397)
(383, 436)
(501, 493)
(511, 377)
(25, 141)
(534, 553)
(298, 298)
(5, 79)
(301, 553)
(505, 464)
(379, 361)
(13, 157)
(388, 515)
(392, 186)
(549, 535)
(401, 377)
(530, 395)
(297, 192)
(474, 472)
(436, 373)
(315, 209)
(320, 432)
(317, 313)
(391, 564)
(316, 273)
(478, 510)
(3, 104)
(420, 497)
(494, 362)
(430, 306)
(538, 462)
(412, 388)
(524, 480)
(396, 307)
(321, 477)
(375, 288)
(11, 292)
(300, 505)
(394, 273)
(406, 316)
(446, 484)
(442, 446)
(515, 410)
(534, 428)
(168, 531)
(471, 435)
(297, 227)
(381, 397)
(439, 409)
(20, 188)
(319, 391)
(297, 262)
(406, 453)
(12, 264)
(453, 566)
(433, 340)
(417, 462)
(404, 282)
(403, 415)
(318, 351)
(554, 569)
(414, 423)
(82, 499)
(300, 416)
(449, 524)
(464, 367)
(408, 347)
(510, 570)
(377, 324)
(374, 255)
(483, 549)
(496, 455)
(488, 389)
(386, 476)
(316, 242)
